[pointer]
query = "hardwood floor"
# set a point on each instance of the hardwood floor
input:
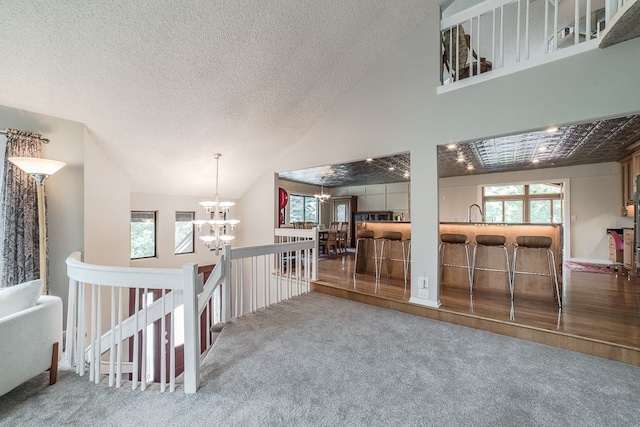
(600, 313)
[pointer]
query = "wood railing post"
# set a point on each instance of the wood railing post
(191, 326)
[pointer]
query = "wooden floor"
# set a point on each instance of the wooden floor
(600, 313)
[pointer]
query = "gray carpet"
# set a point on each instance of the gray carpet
(319, 360)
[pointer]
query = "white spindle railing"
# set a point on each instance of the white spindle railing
(264, 275)
(243, 281)
(522, 35)
(108, 290)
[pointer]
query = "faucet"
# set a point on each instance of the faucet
(479, 210)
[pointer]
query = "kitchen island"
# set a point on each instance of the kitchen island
(494, 257)
(366, 258)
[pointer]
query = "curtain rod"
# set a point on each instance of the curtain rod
(39, 136)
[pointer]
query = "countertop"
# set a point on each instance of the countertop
(501, 223)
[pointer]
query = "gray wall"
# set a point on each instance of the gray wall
(396, 108)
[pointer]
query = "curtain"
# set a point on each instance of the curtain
(19, 210)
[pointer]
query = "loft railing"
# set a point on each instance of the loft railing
(103, 339)
(497, 37)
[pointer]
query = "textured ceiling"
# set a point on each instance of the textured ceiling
(164, 84)
(383, 170)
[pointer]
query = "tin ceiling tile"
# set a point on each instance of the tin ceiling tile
(586, 143)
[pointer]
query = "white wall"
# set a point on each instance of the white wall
(258, 212)
(167, 206)
(593, 200)
(396, 108)
(106, 225)
(64, 190)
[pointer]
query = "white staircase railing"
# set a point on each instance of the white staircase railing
(171, 303)
(518, 34)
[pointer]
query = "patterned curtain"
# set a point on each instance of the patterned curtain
(19, 211)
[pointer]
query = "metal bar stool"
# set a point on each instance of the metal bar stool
(395, 236)
(538, 243)
(447, 239)
(366, 236)
(495, 241)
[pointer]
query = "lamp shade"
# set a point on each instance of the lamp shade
(34, 165)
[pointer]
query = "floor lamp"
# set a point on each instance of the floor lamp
(40, 170)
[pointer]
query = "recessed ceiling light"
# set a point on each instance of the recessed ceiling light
(469, 167)
(542, 148)
(552, 129)
(369, 159)
(406, 174)
(392, 168)
(460, 158)
(451, 146)
(535, 161)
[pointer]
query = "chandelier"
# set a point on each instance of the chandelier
(323, 197)
(219, 224)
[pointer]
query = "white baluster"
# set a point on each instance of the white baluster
(119, 357)
(80, 339)
(526, 31)
(555, 26)
(588, 21)
(136, 339)
(143, 375)
(112, 340)
(72, 323)
(518, 34)
(546, 26)
(576, 23)
(92, 353)
(98, 342)
(172, 345)
(163, 345)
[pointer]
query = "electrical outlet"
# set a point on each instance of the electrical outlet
(423, 282)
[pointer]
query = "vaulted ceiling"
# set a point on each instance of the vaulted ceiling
(164, 84)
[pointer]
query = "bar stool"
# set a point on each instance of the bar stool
(538, 243)
(366, 236)
(395, 236)
(495, 241)
(447, 239)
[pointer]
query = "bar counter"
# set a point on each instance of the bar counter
(493, 257)
(487, 257)
(365, 251)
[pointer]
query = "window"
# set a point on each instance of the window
(341, 212)
(184, 233)
(143, 234)
(533, 203)
(303, 208)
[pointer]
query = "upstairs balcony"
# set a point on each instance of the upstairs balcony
(498, 37)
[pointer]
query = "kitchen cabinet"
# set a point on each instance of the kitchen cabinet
(628, 255)
(372, 216)
(615, 256)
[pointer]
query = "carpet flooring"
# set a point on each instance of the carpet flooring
(324, 361)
